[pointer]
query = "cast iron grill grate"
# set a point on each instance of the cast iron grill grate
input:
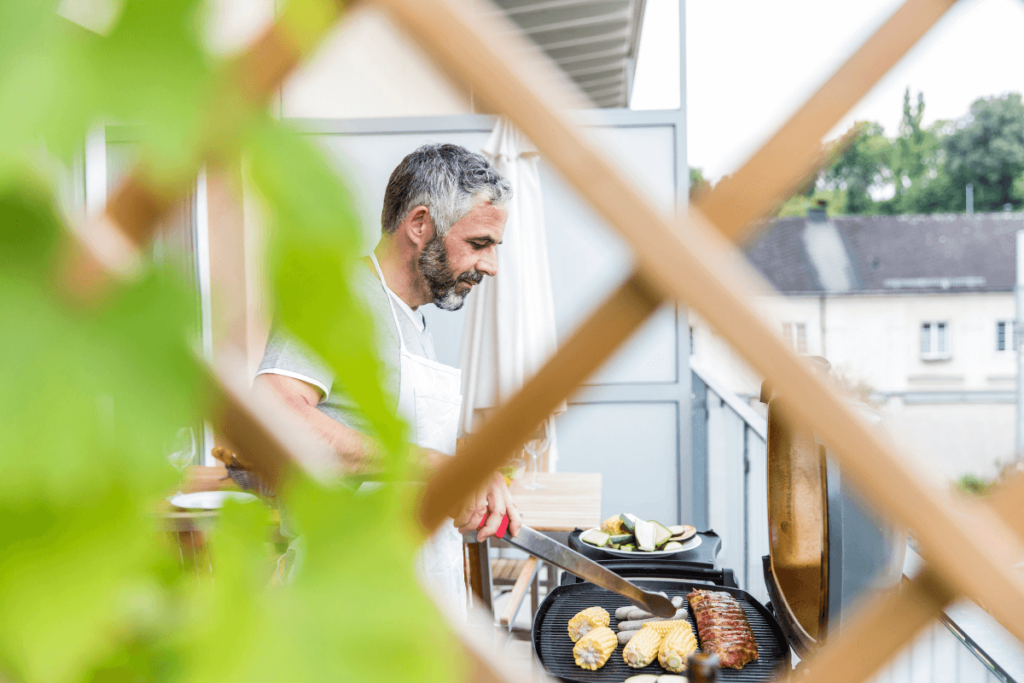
(553, 647)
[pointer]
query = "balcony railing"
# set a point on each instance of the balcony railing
(730, 452)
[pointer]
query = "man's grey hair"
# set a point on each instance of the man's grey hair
(448, 179)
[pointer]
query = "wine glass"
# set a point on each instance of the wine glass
(182, 449)
(514, 466)
(535, 447)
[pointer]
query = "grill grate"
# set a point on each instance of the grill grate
(553, 647)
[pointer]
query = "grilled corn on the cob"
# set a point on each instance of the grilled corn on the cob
(642, 648)
(678, 644)
(586, 621)
(594, 649)
(612, 525)
(664, 627)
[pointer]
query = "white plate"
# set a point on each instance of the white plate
(209, 500)
(640, 554)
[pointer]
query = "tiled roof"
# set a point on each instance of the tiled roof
(888, 254)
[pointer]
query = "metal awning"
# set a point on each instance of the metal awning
(595, 42)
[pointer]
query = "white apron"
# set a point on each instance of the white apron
(430, 398)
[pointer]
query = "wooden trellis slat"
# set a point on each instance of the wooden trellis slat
(852, 657)
(693, 265)
(589, 345)
(263, 430)
(1008, 503)
(879, 631)
(107, 248)
(789, 172)
(797, 141)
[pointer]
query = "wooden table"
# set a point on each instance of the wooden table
(570, 500)
(189, 528)
(196, 478)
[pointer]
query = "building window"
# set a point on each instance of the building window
(1004, 335)
(935, 341)
(795, 335)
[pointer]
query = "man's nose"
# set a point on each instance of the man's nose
(488, 265)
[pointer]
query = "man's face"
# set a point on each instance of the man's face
(454, 263)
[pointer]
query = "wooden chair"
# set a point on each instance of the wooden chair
(481, 579)
(521, 573)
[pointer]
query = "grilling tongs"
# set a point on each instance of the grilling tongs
(553, 552)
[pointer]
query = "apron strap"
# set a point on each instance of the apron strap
(387, 295)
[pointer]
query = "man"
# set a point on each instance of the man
(444, 216)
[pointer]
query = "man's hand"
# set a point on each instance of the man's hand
(491, 502)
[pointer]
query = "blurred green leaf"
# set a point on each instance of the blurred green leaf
(155, 72)
(314, 252)
(354, 613)
(91, 590)
(89, 400)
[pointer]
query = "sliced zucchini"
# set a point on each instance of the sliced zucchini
(671, 678)
(642, 678)
(628, 521)
(627, 547)
(661, 534)
(595, 537)
(677, 529)
(673, 545)
(619, 539)
(645, 535)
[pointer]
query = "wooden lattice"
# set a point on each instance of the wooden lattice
(686, 259)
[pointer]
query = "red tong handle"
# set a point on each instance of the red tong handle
(502, 528)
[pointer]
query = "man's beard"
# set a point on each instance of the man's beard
(440, 278)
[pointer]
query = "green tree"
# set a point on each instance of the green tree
(862, 167)
(698, 184)
(919, 178)
(986, 149)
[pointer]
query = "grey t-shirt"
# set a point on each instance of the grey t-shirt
(288, 356)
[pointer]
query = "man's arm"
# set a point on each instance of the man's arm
(357, 451)
(358, 455)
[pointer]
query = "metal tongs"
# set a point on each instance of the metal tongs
(553, 552)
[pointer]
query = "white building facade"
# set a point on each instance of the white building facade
(928, 340)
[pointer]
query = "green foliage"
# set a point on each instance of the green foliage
(698, 184)
(986, 148)
(863, 166)
(80, 448)
(920, 182)
(973, 485)
(313, 257)
(927, 169)
(93, 395)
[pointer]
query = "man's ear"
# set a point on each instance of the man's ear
(418, 225)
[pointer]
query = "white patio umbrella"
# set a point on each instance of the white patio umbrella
(509, 330)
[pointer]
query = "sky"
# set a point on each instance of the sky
(751, 63)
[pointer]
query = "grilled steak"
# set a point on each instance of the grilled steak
(723, 628)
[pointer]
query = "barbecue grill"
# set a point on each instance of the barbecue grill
(827, 550)
(553, 647)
